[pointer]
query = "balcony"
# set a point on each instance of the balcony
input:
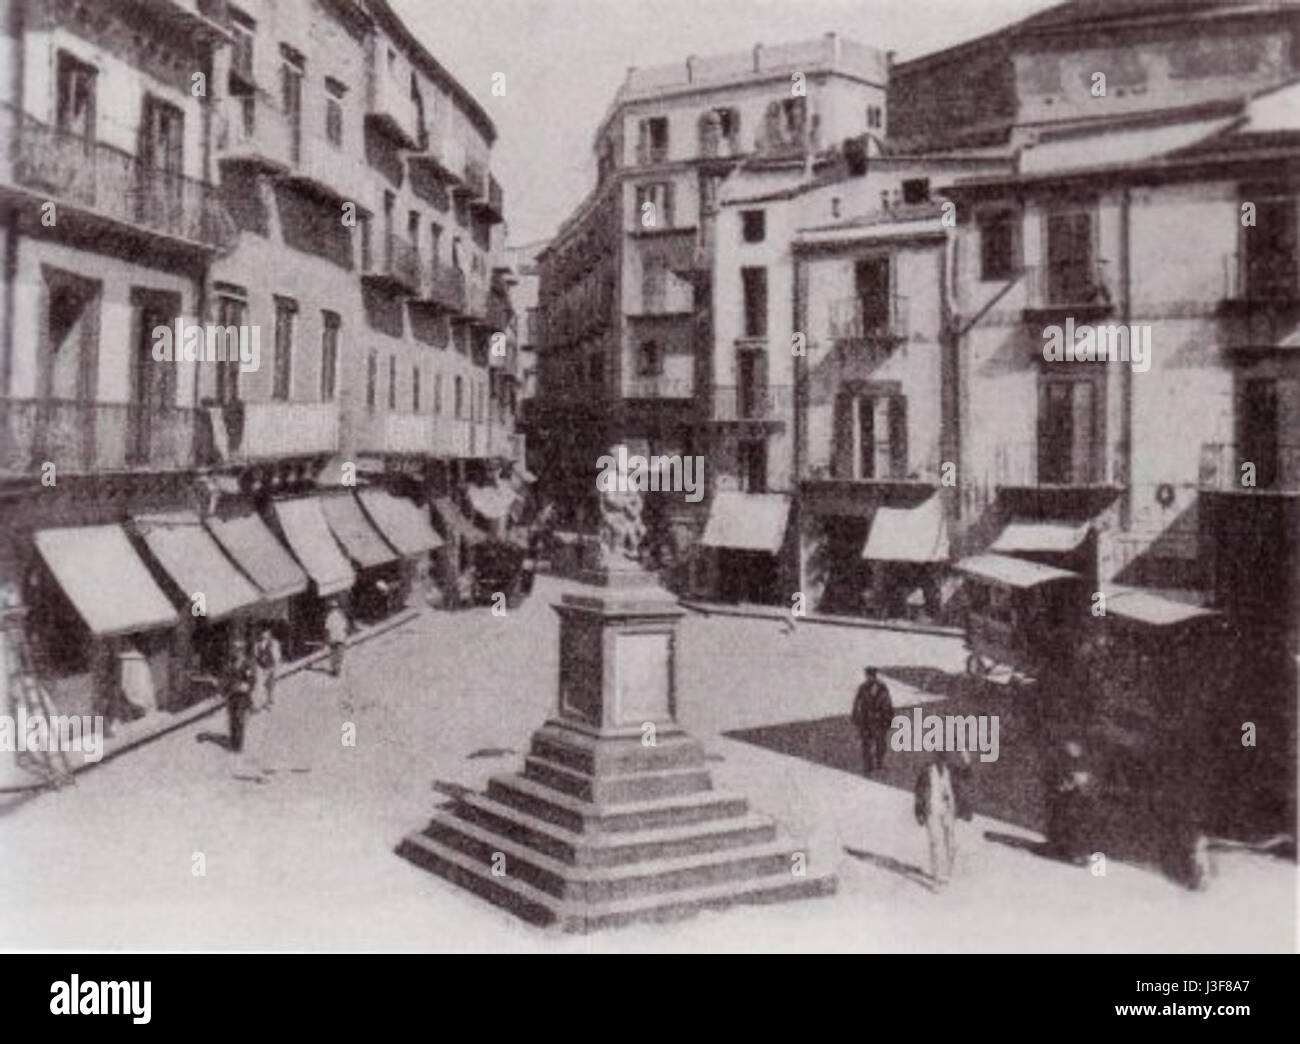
(491, 206)
(436, 156)
(395, 269)
(719, 146)
(1080, 289)
(659, 388)
(392, 111)
(269, 430)
(444, 287)
(454, 438)
(204, 21)
(88, 437)
(408, 434)
(111, 191)
(327, 171)
(1043, 463)
(647, 154)
(731, 403)
(476, 297)
(473, 181)
(1257, 280)
(252, 133)
(862, 327)
(1276, 468)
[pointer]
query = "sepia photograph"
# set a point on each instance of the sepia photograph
(650, 476)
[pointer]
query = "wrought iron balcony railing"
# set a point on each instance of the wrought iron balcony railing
(394, 266)
(646, 154)
(1082, 284)
(741, 402)
(106, 182)
(1234, 467)
(444, 286)
(1047, 462)
(862, 319)
(95, 436)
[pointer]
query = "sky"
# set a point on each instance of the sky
(563, 60)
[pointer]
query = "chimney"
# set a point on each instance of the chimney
(832, 48)
(758, 57)
(690, 68)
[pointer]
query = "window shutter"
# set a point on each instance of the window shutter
(842, 434)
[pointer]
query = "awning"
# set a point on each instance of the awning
(1152, 610)
(1040, 537)
(309, 539)
(195, 561)
(747, 521)
(253, 546)
(916, 534)
(405, 526)
(456, 524)
(1014, 572)
(104, 578)
(492, 502)
(359, 538)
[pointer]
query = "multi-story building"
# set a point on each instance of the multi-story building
(526, 274)
(626, 282)
(300, 180)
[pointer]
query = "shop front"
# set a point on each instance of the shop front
(301, 523)
(740, 553)
(379, 589)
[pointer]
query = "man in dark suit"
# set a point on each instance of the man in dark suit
(873, 713)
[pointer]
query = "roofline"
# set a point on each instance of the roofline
(434, 69)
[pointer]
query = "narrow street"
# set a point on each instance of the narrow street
(297, 835)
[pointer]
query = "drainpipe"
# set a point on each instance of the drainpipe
(15, 31)
(798, 450)
(1126, 372)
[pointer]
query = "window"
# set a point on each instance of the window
(415, 389)
(367, 251)
(231, 311)
(437, 393)
(649, 360)
(1270, 250)
(75, 104)
(1066, 424)
(998, 245)
(875, 117)
(652, 140)
(1071, 273)
(916, 191)
(871, 278)
(162, 140)
(880, 437)
(458, 398)
(435, 241)
(753, 466)
(654, 287)
(282, 366)
(392, 382)
(242, 30)
(334, 121)
(659, 212)
(754, 282)
(329, 355)
(291, 106)
(753, 225)
(455, 253)
(372, 379)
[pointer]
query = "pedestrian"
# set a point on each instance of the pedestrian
(873, 714)
(336, 630)
(1071, 790)
(266, 658)
(936, 810)
(239, 681)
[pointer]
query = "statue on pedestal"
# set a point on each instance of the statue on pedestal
(622, 531)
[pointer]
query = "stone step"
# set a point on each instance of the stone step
(571, 847)
(581, 753)
(616, 790)
(581, 816)
(607, 883)
(539, 908)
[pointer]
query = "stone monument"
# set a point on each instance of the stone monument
(614, 817)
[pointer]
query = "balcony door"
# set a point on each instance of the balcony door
(68, 366)
(153, 383)
(1271, 251)
(1066, 432)
(1069, 257)
(1258, 430)
(872, 286)
(291, 105)
(162, 165)
(751, 384)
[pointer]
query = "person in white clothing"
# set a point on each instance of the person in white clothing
(936, 810)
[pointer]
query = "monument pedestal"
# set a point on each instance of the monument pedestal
(614, 817)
